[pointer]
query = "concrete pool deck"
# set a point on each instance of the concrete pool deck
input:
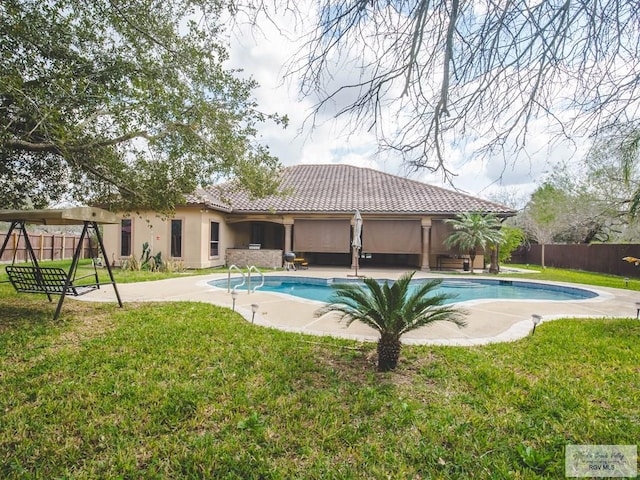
(487, 320)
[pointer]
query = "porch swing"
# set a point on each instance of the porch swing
(53, 280)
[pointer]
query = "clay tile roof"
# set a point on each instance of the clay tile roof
(343, 188)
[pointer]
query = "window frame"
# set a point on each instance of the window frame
(171, 238)
(214, 253)
(129, 242)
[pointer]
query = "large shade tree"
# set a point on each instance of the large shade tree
(545, 216)
(581, 205)
(480, 73)
(613, 169)
(123, 103)
(598, 199)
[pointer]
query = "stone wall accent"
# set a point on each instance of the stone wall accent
(243, 257)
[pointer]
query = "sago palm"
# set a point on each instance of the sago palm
(392, 310)
(473, 231)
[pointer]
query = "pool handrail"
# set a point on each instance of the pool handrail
(244, 279)
(254, 269)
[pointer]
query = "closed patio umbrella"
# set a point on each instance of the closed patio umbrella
(356, 243)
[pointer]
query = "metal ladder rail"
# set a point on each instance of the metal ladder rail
(253, 268)
(244, 278)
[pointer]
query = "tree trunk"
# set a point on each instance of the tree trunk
(494, 267)
(388, 352)
(472, 256)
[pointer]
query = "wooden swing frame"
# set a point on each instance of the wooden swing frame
(51, 280)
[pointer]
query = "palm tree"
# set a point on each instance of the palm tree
(473, 231)
(391, 310)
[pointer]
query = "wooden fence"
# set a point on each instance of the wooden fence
(46, 246)
(599, 258)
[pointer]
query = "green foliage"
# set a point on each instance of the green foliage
(613, 171)
(125, 104)
(145, 257)
(533, 459)
(624, 151)
(253, 423)
(579, 207)
(148, 261)
(156, 263)
(548, 203)
(473, 231)
(151, 263)
(392, 310)
(512, 238)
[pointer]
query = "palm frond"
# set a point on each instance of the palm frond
(422, 309)
(392, 308)
(352, 302)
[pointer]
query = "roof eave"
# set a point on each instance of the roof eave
(208, 206)
(363, 211)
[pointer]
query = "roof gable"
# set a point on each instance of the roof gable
(335, 188)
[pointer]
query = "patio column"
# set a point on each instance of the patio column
(287, 235)
(426, 247)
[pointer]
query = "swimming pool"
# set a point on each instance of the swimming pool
(319, 289)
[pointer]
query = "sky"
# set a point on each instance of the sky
(265, 57)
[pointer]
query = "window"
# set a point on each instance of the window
(125, 237)
(257, 233)
(214, 239)
(176, 238)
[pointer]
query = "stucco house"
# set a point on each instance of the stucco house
(402, 223)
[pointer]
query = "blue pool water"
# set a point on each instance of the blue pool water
(320, 288)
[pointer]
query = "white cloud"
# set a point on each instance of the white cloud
(265, 57)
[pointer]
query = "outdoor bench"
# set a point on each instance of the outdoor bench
(47, 280)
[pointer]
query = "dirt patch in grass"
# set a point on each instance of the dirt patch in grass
(88, 322)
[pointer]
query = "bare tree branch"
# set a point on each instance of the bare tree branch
(501, 65)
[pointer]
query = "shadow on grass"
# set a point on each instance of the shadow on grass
(20, 311)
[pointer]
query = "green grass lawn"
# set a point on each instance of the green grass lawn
(85, 267)
(574, 276)
(191, 390)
